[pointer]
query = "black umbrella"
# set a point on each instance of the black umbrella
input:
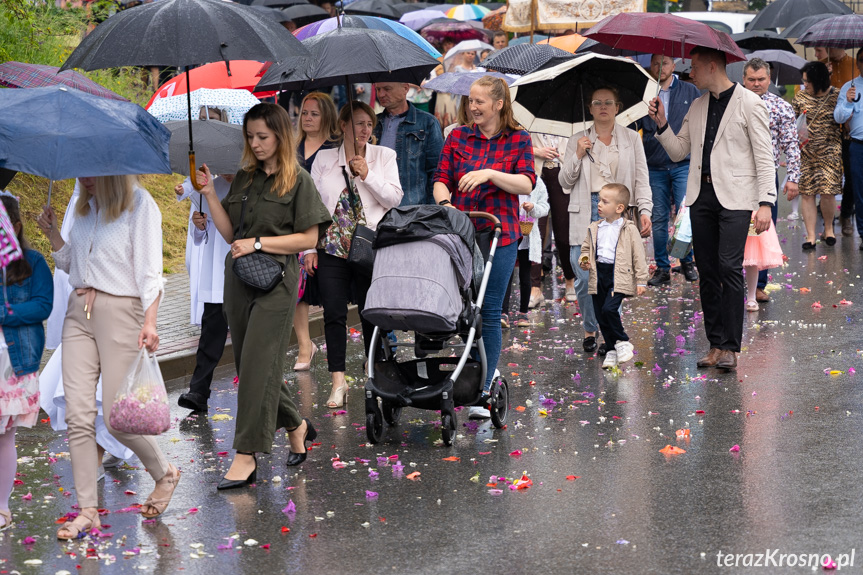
(303, 14)
(380, 8)
(552, 101)
(801, 26)
(6, 177)
(784, 66)
(349, 56)
(783, 13)
(186, 33)
(278, 3)
(591, 46)
(526, 58)
(273, 14)
(762, 40)
(404, 7)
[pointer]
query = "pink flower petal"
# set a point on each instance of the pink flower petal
(734, 449)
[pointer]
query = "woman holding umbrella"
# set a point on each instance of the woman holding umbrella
(607, 153)
(485, 167)
(284, 216)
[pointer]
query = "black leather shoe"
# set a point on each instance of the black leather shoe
(311, 435)
(235, 483)
(589, 344)
(689, 272)
(660, 277)
(602, 350)
(193, 401)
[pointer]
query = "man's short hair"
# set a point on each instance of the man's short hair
(710, 54)
(500, 33)
(619, 192)
(756, 64)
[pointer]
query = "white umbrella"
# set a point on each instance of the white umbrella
(175, 108)
(468, 46)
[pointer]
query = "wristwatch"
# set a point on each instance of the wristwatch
(444, 202)
(258, 244)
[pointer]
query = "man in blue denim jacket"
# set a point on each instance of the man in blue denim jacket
(667, 178)
(416, 138)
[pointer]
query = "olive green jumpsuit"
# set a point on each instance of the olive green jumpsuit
(261, 322)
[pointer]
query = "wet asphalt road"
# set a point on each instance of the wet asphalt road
(603, 498)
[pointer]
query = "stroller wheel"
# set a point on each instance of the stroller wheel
(447, 428)
(499, 402)
(374, 427)
(392, 413)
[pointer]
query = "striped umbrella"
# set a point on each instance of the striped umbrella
(839, 32)
(371, 22)
(22, 75)
(467, 12)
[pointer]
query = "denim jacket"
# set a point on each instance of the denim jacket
(419, 141)
(30, 304)
(681, 95)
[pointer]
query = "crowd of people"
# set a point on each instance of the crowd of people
(306, 192)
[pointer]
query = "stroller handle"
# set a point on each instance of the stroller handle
(487, 216)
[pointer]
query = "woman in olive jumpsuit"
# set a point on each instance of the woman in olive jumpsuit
(283, 216)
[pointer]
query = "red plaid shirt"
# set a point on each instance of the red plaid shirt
(466, 149)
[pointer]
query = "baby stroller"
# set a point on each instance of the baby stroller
(429, 277)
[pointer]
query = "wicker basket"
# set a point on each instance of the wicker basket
(526, 228)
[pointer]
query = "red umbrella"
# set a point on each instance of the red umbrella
(244, 76)
(665, 34)
(21, 75)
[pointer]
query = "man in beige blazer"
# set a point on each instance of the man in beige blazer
(731, 174)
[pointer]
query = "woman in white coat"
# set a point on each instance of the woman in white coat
(373, 176)
(607, 153)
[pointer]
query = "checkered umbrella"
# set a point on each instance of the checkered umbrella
(838, 32)
(526, 58)
(798, 28)
(21, 75)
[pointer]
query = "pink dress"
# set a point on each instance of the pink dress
(763, 250)
(19, 396)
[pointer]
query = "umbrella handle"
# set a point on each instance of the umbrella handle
(192, 170)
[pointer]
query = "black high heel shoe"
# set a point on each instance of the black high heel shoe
(311, 435)
(235, 483)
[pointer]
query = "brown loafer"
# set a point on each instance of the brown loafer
(710, 359)
(727, 360)
(761, 296)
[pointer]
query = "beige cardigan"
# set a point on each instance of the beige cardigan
(575, 178)
(630, 262)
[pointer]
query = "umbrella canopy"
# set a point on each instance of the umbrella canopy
(403, 8)
(366, 22)
(568, 43)
(6, 177)
(60, 133)
(784, 66)
(417, 20)
(353, 55)
(21, 75)
(277, 3)
(527, 39)
(554, 100)
(459, 83)
(526, 58)
(458, 31)
(494, 19)
(244, 76)
(184, 33)
(468, 46)
(798, 28)
(467, 12)
(762, 40)
(219, 145)
(303, 14)
(273, 13)
(782, 13)
(174, 108)
(380, 8)
(837, 32)
(666, 34)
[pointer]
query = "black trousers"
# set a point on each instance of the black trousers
(848, 189)
(525, 267)
(606, 306)
(559, 210)
(337, 283)
(719, 239)
(214, 334)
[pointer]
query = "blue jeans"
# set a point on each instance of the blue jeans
(501, 272)
(585, 301)
(667, 186)
(856, 153)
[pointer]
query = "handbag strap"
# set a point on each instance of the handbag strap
(818, 109)
(354, 198)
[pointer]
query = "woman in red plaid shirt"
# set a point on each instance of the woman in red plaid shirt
(484, 167)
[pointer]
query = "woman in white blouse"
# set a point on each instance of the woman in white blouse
(374, 175)
(114, 261)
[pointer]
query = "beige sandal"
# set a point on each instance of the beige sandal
(7, 520)
(78, 528)
(161, 504)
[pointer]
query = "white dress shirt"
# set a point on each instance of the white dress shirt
(205, 253)
(606, 240)
(122, 257)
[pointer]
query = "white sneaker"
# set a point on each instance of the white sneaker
(793, 216)
(570, 294)
(610, 360)
(477, 412)
(100, 474)
(624, 351)
(110, 462)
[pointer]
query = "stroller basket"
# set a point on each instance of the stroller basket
(418, 383)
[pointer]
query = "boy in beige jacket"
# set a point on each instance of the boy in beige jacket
(614, 253)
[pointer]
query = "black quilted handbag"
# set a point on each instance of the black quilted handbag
(361, 256)
(257, 270)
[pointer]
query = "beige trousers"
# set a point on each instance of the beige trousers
(107, 343)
